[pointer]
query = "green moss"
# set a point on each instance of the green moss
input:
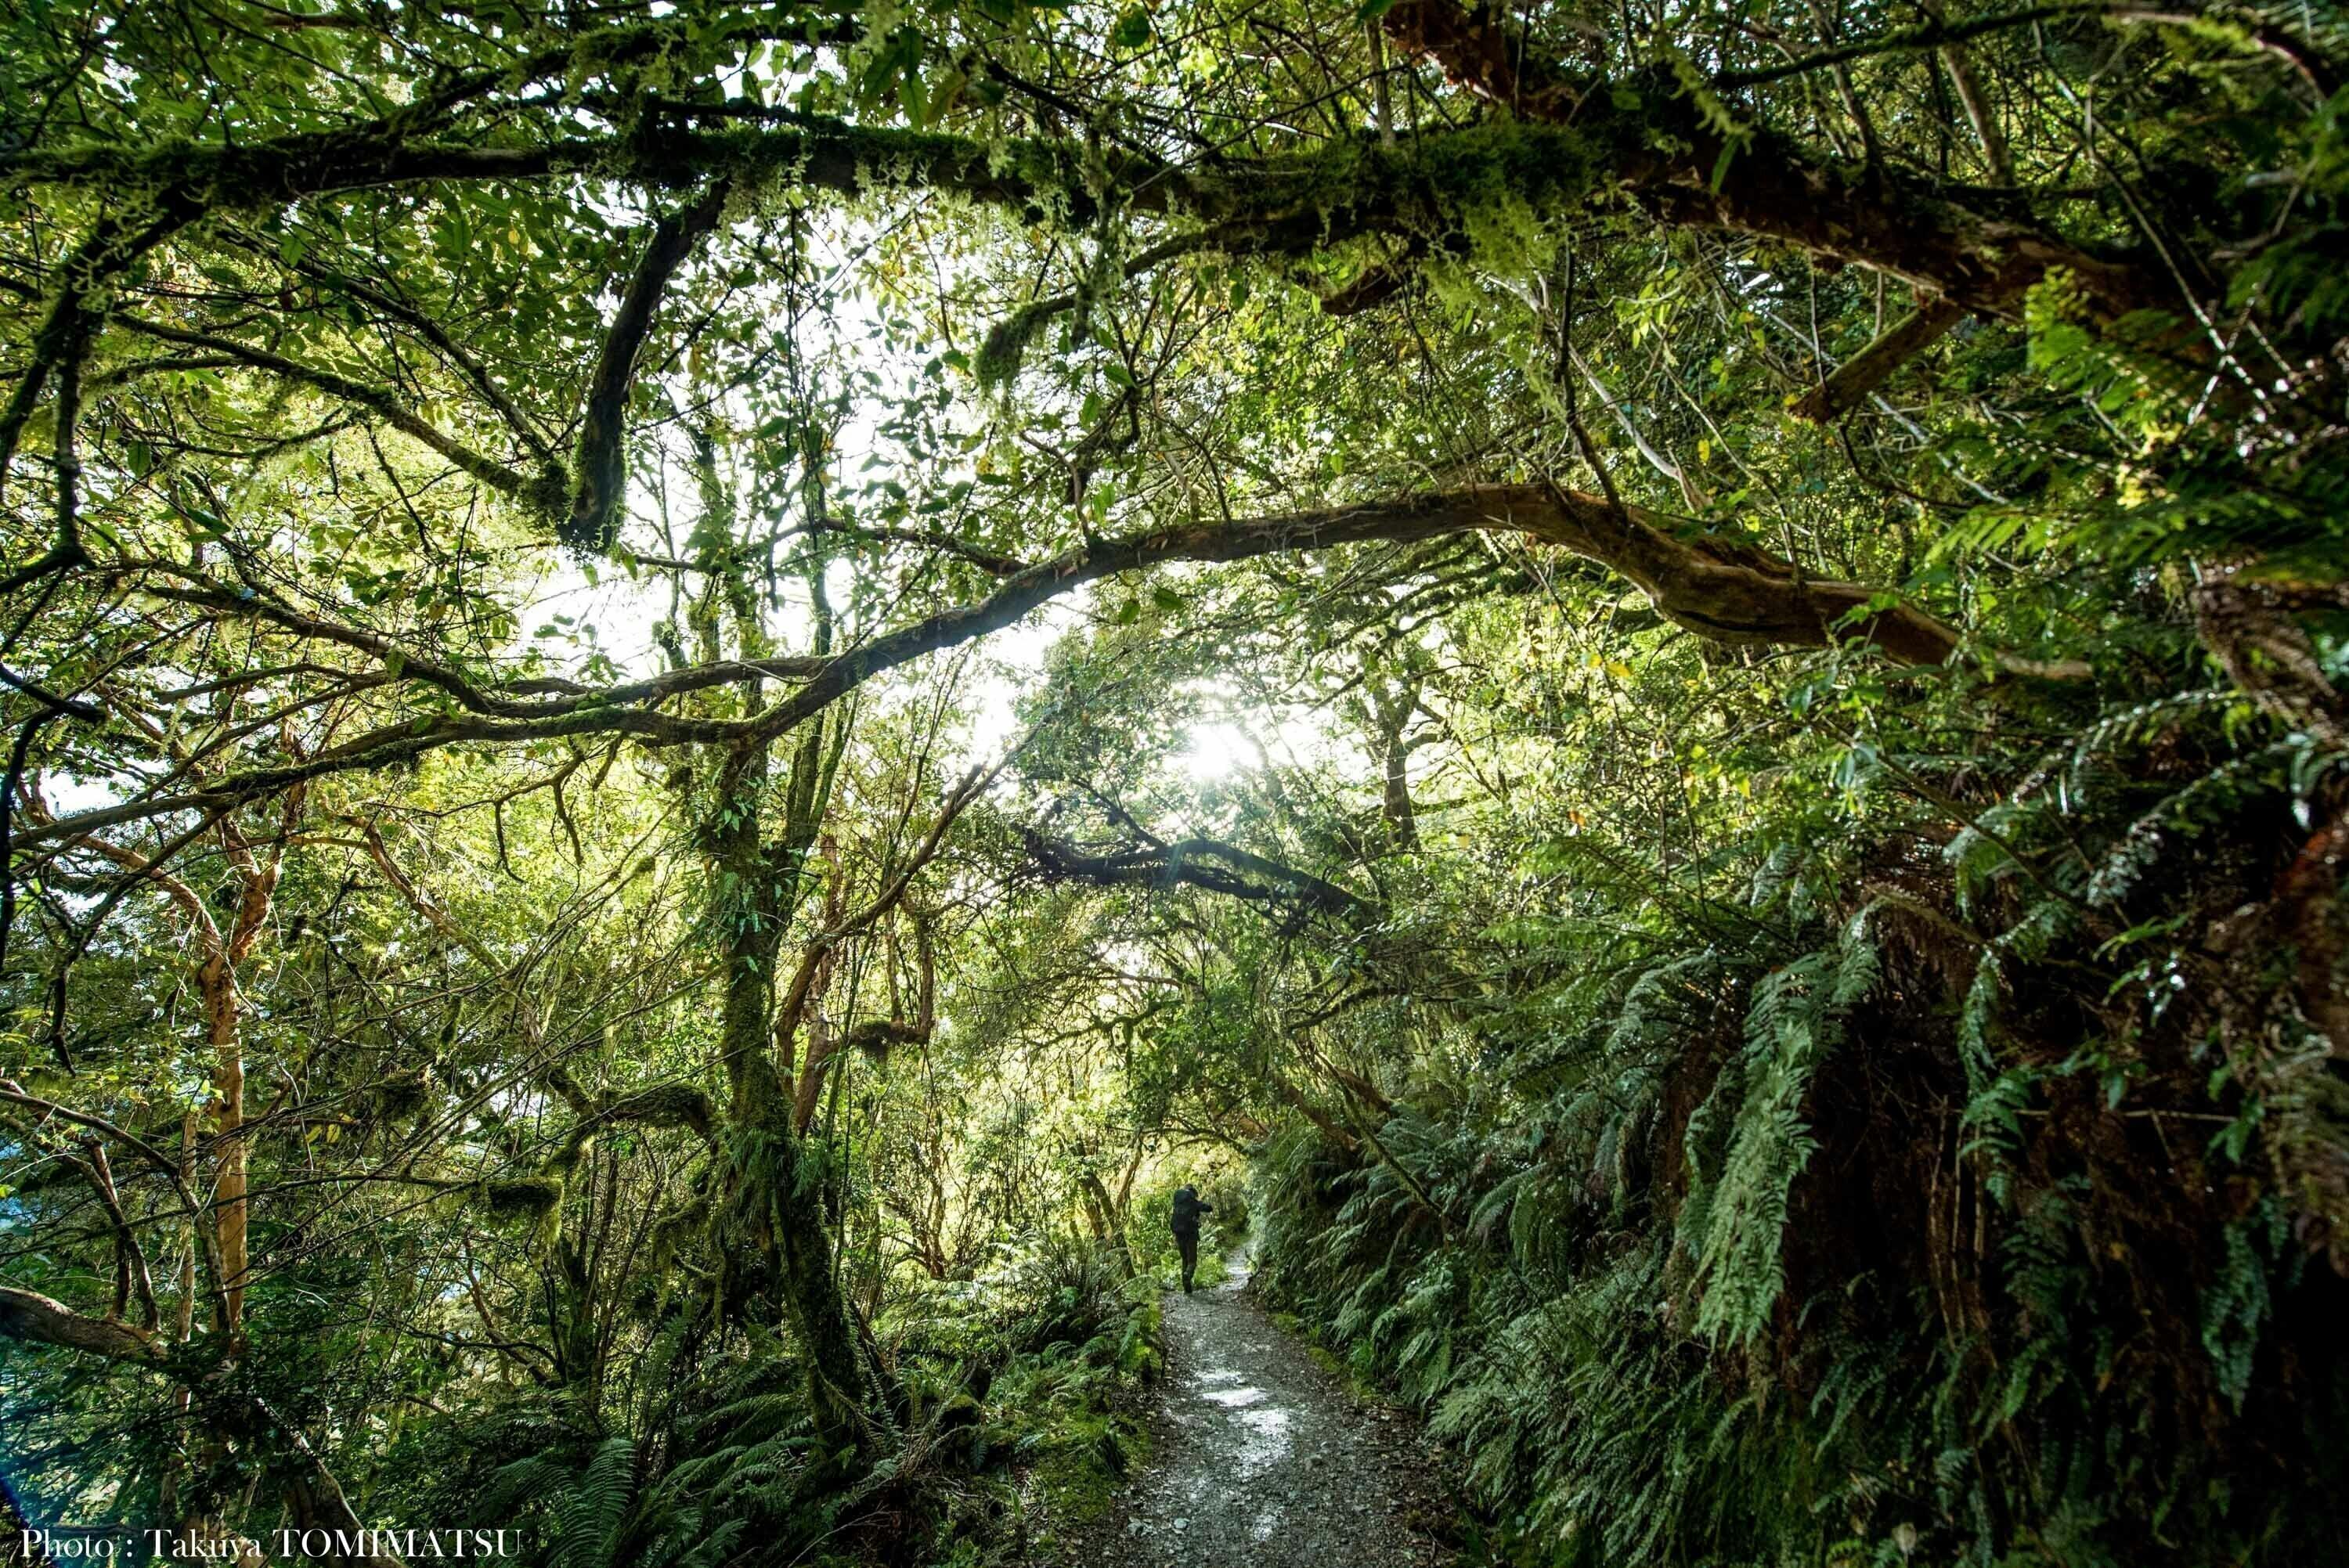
(1088, 1458)
(667, 1104)
(1075, 1422)
(400, 1098)
(1007, 341)
(1360, 1390)
(537, 1198)
(528, 1196)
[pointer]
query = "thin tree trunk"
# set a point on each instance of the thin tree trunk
(216, 980)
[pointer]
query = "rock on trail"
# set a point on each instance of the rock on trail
(1261, 1458)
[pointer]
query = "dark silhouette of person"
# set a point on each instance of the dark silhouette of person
(1184, 1222)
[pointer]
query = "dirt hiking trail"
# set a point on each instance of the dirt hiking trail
(1262, 1459)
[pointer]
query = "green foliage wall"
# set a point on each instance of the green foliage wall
(1784, 1230)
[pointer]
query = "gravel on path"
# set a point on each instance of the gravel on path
(1262, 1459)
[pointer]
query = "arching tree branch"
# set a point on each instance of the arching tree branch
(381, 401)
(1720, 588)
(1763, 184)
(599, 472)
(1209, 864)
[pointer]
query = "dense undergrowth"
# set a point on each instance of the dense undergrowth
(1887, 1201)
(1023, 1393)
(695, 692)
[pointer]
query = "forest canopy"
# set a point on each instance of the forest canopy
(696, 691)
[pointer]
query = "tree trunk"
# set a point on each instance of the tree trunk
(217, 982)
(814, 1066)
(1391, 711)
(773, 1210)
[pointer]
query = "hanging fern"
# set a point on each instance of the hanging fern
(1737, 1218)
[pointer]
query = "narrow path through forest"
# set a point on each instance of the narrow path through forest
(1261, 1456)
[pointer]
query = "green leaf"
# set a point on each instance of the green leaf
(1721, 164)
(1133, 29)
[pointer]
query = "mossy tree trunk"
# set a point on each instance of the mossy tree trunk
(776, 1211)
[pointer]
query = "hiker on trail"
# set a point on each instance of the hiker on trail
(1185, 1224)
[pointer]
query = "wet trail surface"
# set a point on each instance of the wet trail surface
(1261, 1456)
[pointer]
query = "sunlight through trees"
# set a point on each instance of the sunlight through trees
(696, 693)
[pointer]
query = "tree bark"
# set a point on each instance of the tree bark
(31, 1317)
(822, 1042)
(223, 1010)
(1720, 588)
(1764, 185)
(1207, 863)
(600, 471)
(1864, 372)
(1391, 711)
(773, 1210)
